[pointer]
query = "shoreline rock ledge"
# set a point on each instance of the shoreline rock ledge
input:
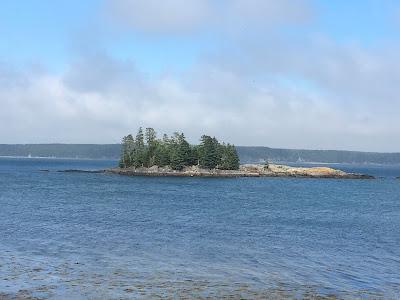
(247, 170)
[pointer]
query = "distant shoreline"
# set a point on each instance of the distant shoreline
(247, 154)
(275, 162)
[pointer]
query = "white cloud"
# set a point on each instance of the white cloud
(159, 15)
(349, 74)
(185, 16)
(267, 12)
(260, 89)
(46, 107)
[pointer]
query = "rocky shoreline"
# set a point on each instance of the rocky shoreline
(248, 170)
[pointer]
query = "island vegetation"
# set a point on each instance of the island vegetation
(146, 150)
(147, 155)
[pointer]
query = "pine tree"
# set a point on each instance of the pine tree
(234, 160)
(209, 152)
(127, 151)
(138, 156)
(229, 158)
(139, 138)
(176, 152)
(151, 136)
(165, 139)
(123, 162)
(194, 155)
(218, 150)
(151, 144)
(181, 152)
(161, 155)
(184, 150)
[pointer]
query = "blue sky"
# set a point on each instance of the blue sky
(334, 60)
(366, 21)
(48, 31)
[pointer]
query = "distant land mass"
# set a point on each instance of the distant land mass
(247, 154)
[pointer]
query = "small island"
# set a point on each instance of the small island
(147, 155)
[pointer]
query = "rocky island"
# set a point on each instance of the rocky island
(247, 170)
(146, 155)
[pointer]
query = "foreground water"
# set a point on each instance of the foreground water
(99, 236)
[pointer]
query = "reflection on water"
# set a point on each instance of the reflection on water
(97, 236)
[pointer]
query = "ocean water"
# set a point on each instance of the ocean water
(103, 236)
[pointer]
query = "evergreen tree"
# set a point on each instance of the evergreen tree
(176, 152)
(127, 151)
(139, 138)
(218, 150)
(165, 139)
(194, 155)
(161, 155)
(138, 156)
(123, 162)
(229, 158)
(184, 150)
(234, 160)
(209, 152)
(181, 152)
(151, 141)
(151, 136)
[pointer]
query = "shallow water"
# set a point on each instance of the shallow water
(102, 236)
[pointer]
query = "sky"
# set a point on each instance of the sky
(306, 74)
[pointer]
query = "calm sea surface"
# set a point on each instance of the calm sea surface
(99, 236)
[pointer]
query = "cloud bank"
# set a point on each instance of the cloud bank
(188, 16)
(271, 90)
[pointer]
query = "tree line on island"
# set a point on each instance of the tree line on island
(146, 150)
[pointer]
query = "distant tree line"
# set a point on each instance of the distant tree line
(247, 154)
(146, 150)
